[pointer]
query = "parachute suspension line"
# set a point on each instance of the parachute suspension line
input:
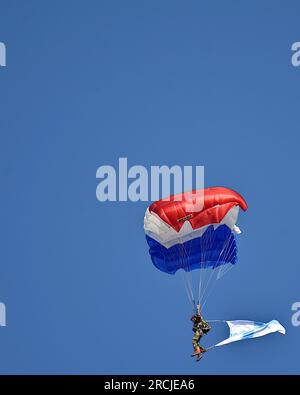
(184, 280)
(205, 292)
(225, 254)
(214, 273)
(186, 283)
(200, 285)
(200, 277)
(208, 293)
(208, 275)
(209, 238)
(223, 269)
(186, 274)
(189, 276)
(187, 289)
(204, 241)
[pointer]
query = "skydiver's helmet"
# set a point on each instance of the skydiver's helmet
(193, 318)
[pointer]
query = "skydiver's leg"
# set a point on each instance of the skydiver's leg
(196, 339)
(202, 349)
(196, 345)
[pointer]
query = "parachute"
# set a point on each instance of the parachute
(195, 233)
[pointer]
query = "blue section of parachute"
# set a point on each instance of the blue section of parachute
(214, 248)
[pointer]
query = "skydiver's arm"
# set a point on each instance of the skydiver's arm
(206, 328)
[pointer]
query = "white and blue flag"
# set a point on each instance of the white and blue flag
(242, 329)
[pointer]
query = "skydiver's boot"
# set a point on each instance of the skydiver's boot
(197, 352)
(203, 349)
(198, 357)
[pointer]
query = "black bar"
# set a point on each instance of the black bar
(140, 383)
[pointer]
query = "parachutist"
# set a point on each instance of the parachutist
(200, 328)
(183, 237)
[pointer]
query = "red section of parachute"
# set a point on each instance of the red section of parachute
(217, 202)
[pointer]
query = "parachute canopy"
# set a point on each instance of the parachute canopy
(194, 230)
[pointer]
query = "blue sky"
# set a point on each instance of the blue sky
(172, 82)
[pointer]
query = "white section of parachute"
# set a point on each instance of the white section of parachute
(237, 230)
(242, 329)
(162, 232)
